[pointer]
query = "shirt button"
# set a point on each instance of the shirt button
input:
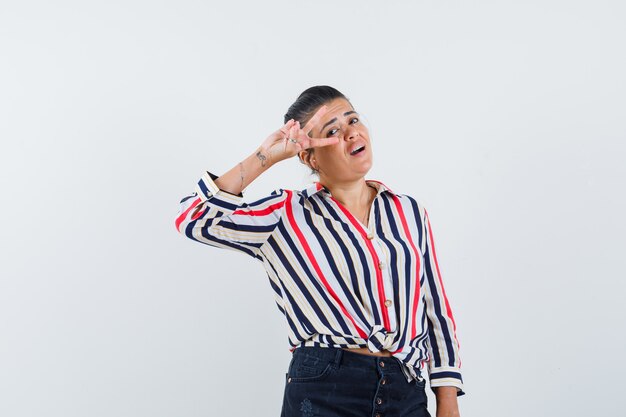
(370, 237)
(388, 303)
(381, 265)
(382, 364)
(379, 400)
(383, 381)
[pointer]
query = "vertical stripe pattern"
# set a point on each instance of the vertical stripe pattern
(338, 282)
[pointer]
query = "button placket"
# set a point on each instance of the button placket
(381, 393)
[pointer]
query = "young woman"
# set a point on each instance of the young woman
(352, 264)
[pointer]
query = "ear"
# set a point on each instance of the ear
(306, 157)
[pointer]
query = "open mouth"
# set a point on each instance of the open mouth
(357, 150)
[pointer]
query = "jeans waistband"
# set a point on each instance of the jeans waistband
(339, 356)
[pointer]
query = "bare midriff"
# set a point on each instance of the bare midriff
(366, 351)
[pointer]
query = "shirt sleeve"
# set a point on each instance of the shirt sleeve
(444, 366)
(218, 218)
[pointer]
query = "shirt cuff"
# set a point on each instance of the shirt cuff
(208, 191)
(447, 377)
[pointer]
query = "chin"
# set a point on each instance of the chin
(364, 170)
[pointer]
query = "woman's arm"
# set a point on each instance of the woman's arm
(274, 149)
(215, 213)
(447, 404)
(445, 363)
(236, 179)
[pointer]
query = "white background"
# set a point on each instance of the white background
(505, 119)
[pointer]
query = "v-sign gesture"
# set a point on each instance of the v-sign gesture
(291, 139)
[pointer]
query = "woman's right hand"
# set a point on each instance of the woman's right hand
(278, 146)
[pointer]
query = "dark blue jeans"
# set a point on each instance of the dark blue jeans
(332, 382)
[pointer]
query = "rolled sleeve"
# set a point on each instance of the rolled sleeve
(218, 218)
(208, 190)
(447, 377)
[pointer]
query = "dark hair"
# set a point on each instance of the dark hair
(307, 104)
(309, 101)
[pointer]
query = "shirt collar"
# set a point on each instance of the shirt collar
(317, 187)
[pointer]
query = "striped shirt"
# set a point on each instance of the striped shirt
(337, 281)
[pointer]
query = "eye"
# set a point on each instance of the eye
(352, 121)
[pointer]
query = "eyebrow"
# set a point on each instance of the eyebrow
(334, 119)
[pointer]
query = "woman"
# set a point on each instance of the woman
(352, 265)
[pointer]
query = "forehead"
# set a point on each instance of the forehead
(336, 106)
(335, 110)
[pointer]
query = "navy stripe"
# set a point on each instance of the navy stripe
(418, 220)
(393, 264)
(363, 261)
(212, 239)
(343, 255)
(347, 292)
(189, 197)
(204, 189)
(433, 344)
(437, 303)
(275, 287)
(297, 279)
(331, 228)
(446, 374)
(395, 231)
(253, 228)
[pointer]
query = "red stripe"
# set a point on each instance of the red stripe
(198, 214)
(432, 247)
(261, 212)
(407, 233)
(379, 275)
(309, 253)
(182, 216)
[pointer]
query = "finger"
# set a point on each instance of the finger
(289, 124)
(308, 126)
(317, 142)
(293, 132)
(285, 128)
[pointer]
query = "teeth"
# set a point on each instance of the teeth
(356, 150)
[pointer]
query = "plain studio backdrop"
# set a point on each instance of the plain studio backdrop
(505, 119)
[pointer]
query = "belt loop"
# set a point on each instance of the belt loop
(338, 357)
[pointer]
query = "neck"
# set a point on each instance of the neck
(352, 195)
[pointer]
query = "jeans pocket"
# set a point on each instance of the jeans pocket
(304, 368)
(420, 385)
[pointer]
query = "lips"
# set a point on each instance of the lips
(357, 148)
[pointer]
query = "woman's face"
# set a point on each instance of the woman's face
(339, 162)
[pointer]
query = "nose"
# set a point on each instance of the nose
(352, 133)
